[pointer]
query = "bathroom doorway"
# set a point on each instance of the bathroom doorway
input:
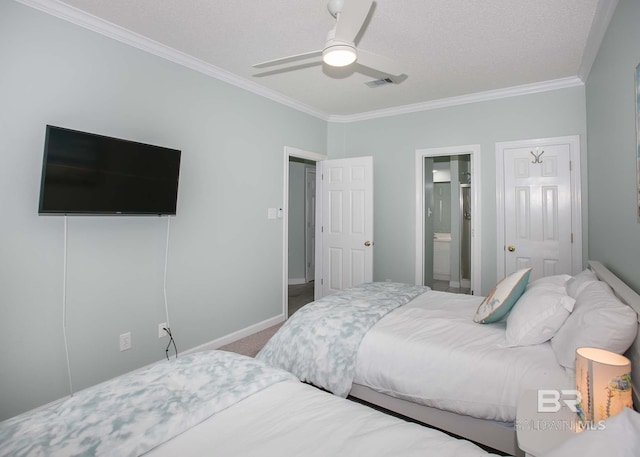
(447, 216)
(447, 204)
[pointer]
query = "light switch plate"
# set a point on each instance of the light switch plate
(125, 341)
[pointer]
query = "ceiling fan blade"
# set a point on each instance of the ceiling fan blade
(285, 60)
(378, 62)
(351, 19)
(288, 68)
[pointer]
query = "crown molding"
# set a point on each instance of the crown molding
(108, 29)
(601, 20)
(90, 22)
(514, 91)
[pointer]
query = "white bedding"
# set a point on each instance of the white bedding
(294, 419)
(216, 404)
(431, 352)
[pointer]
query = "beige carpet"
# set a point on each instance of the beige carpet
(299, 295)
(252, 344)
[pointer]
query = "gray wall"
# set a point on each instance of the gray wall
(225, 258)
(614, 231)
(392, 142)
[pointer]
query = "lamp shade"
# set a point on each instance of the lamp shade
(603, 379)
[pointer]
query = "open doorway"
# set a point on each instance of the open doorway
(448, 213)
(447, 219)
(302, 277)
(301, 227)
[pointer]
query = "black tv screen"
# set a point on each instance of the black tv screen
(85, 173)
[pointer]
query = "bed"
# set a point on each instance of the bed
(417, 352)
(216, 403)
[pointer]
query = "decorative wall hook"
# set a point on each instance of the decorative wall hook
(537, 156)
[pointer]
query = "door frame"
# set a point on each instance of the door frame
(301, 154)
(576, 196)
(476, 184)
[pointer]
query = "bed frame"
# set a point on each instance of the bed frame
(501, 437)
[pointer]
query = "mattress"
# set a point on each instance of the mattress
(431, 352)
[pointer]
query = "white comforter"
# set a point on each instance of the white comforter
(431, 352)
(319, 344)
(294, 419)
(216, 404)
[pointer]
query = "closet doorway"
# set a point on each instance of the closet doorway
(539, 218)
(447, 219)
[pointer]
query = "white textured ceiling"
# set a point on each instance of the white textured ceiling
(447, 48)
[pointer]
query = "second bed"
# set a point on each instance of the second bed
(419, 352)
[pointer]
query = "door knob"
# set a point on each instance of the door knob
(367, 243)
(511, 248)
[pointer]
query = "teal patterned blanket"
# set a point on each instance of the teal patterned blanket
(132, 414)
(319, 343)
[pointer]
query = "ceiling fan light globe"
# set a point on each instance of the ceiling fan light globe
(339, 55)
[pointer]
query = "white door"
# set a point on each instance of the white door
(539, 210)
(345, 209)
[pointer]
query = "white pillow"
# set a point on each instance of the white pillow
(577, 284)
(556, 280)
(502, 297)
(538, 314)
(618, 435)
(598, 320)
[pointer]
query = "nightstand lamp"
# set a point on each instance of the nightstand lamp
(603, 379)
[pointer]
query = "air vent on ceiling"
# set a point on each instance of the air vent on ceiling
(379, 82)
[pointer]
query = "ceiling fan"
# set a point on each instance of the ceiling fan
(340, 49)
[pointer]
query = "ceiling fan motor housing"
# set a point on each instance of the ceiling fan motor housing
(335, 7)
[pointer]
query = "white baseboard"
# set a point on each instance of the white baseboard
(297, 281)
(215, 344)
(465, 283)
(237, 335)
(454, 284)
(439, 277)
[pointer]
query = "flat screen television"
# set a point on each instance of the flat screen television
(85, 173)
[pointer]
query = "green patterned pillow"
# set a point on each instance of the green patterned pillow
(502, 297)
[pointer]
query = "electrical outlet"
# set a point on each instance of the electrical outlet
(161, 332)
(125, 341)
